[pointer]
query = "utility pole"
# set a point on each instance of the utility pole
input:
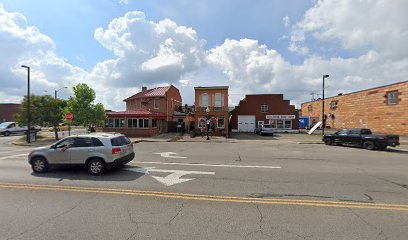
(28, 104)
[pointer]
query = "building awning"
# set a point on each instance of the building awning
(136, 114)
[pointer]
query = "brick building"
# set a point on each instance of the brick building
(8, 110)
(148, 112)
(211, 103)
(259, 109)
(383, 109)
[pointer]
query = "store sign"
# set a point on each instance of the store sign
(280, 116)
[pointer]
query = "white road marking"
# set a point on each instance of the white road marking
(168, 155)
(18, 155)
(173, 178)
(20, 150)
(210, 165)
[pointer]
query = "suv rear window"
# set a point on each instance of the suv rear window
(120, 141)
(97, 143)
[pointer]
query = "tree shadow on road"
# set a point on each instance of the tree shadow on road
(80, 173)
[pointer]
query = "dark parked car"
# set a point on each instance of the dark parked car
(362, 138)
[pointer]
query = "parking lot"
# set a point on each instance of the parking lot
(287, 186)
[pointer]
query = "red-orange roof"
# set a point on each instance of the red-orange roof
(135, 113)
(154, 92)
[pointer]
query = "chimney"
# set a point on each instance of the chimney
(144, 89)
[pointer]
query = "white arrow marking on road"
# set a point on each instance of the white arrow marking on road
(171, 179)
(167, 155)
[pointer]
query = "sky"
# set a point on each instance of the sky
(254, 47)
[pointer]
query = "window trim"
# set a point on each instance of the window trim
(156, 101)
(220, 101)
(263, 107)
(155, 125)
(202, 120)
(395, 99)
(218, 126)
(202, 100)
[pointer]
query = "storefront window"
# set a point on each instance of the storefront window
(279, 123)
(288, 124)
(121, 123)
(109, 122)
(220, 123)
(201, 123)
(273, 123)
(154, 123)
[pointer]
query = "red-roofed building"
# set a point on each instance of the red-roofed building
(148, 112)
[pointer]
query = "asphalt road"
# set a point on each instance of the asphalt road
(181, 190)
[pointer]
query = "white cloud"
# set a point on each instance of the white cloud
(253, 68)
(364, 24)
(22, 44)
(148, 53)
(286, 21)
(159, 53)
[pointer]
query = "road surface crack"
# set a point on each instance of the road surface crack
(395, 183)
(260, 229)
(178, 212)
(48, 220)
(380, 231)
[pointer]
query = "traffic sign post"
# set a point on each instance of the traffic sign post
(69, 117)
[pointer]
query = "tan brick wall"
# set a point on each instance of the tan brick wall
(211, 103)
(366, 109)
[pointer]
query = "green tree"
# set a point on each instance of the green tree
(83, 109)
(45, 111)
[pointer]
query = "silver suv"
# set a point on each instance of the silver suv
(264, 129)
(97, 151)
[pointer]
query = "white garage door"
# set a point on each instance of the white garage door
(246, 123)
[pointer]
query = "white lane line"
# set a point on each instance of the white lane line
(12, 156)
(210, 165)
(19, 150)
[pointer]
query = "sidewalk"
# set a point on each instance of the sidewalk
(164, 137)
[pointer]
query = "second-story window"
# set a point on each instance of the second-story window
(392, 97)
(264, 108)
(204, 100)
(219, 100)
(156, 103)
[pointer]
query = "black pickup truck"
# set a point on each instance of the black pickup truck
(362, 138)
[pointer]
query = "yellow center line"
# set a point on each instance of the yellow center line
(172, 195)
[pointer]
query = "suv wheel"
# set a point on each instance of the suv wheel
(328, 141)
(369, 145)
(6, 133)
(96, 166)
(39, 165)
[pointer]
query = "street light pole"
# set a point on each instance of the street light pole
(323, 118)
(56, 91)
(28, 103)
(207, 110)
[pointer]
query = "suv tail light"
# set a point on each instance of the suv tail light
(116, 150)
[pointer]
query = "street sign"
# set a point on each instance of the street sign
(69, 116)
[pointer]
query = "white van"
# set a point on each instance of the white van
(8, 128)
